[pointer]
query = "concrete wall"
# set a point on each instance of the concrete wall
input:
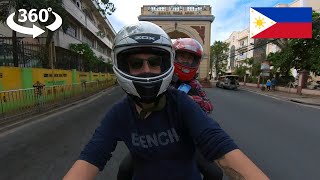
(13, 78)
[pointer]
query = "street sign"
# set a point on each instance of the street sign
(265, 74)
(265, 65)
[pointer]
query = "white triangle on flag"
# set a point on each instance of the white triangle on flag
(259, 22)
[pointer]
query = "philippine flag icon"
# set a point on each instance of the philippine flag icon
(280, 22)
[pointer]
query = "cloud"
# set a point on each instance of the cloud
(230, 15)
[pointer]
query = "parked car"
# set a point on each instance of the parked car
(228, 82)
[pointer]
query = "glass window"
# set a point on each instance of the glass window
(88, 40)
(72, 30)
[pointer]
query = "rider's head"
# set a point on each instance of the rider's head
(188, 56)
(143, 61)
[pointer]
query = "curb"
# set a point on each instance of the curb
(281, 97)
(302, 102)
(19, 122)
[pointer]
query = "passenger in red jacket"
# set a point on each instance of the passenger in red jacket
(187, 60)
(188, 56)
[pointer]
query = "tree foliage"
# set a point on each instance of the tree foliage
(105, 7)
(91, 61)
(241, 71)
(301, 54)
(219, 55)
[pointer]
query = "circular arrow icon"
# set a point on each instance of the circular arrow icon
(56, 24)
(35, 30)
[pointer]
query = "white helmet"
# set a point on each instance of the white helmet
(143, 37)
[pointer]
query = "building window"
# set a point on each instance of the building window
(241, 43)
(100, 48)
(78, 3)
(72, 30)
(87, 39)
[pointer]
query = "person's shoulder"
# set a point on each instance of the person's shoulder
(120, 105)
(178, 97)
(174, 93)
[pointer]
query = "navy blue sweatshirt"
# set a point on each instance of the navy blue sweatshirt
(163, 144)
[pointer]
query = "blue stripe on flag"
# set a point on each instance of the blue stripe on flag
(287, 14)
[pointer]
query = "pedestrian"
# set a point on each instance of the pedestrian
(187, 60)
(273, 83)
(161, 127)
(268, 84)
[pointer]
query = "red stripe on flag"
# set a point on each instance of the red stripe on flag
(287, 30)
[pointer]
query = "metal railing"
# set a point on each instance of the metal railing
(28, 54)
(32, 55)
(21, 103)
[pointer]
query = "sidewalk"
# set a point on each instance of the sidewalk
(304, 99)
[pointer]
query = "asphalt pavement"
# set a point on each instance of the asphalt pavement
(280, 136)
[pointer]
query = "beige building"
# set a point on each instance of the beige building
(180, 21)
(86, 25)
(240, 48)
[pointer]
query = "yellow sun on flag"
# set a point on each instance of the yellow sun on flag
(259, 22)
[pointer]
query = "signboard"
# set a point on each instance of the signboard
(265, 66)
(265, 74)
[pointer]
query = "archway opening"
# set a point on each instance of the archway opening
(177, 34)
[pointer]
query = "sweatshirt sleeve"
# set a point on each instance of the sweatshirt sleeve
(103, 142)
(212, 141)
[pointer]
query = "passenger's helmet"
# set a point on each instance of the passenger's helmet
(143, 37)
(187, 72)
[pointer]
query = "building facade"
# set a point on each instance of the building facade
(240, 49)
(86, 24)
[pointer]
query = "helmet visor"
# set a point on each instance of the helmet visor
(160, 58)
(187, 59)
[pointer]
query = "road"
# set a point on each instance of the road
(281, 137)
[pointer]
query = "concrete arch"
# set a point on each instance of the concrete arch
(192, 33)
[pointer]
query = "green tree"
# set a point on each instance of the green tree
(241, 71)
(249, 62)
(219, 55)
(256, 69)
(282, 61)
(301, 54)
(105, 7)
(91, 61)
(307, 51)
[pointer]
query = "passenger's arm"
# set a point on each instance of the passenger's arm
(200, 97)
(237, 165)
(81, 170)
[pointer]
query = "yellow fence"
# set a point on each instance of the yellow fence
(13, 78)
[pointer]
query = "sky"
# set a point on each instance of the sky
(230, 15)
